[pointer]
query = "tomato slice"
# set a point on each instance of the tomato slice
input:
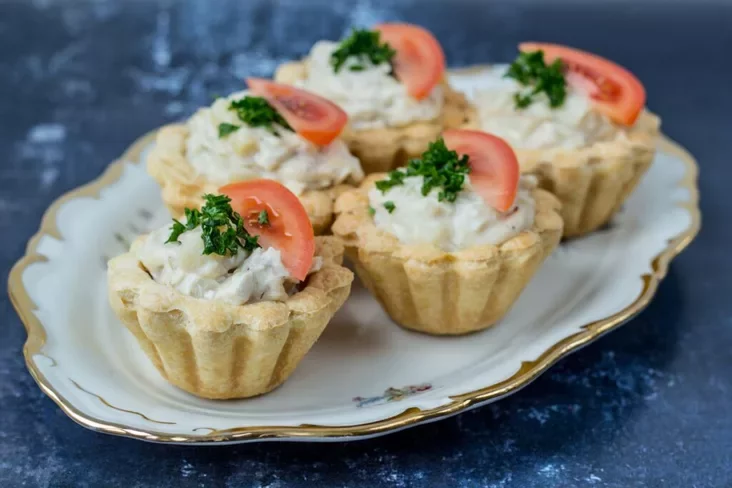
(289, 229)
(494, 169)
(419, 62)
(313, 117)
(615, 91)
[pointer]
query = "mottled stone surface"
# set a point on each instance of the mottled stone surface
(645, 406)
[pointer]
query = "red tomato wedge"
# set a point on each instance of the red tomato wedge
(313, 117)
(419, 62)
(615, 91)
(494, 169)
(289, 229)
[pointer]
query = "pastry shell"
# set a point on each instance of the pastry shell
(593, 182)
(218, 350)
(429, 290)
(183, 187)
(382, 150)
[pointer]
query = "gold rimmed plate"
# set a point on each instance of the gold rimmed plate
(365, 376)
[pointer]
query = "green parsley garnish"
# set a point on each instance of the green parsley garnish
(263, 218)
(395, 178)
(226, 129)
(531, 70)
(176, 230)
(389, 206)
(255, 112)
(192, 221)
(440, 167)
(362, 44)
(372, 211)
(222, 229)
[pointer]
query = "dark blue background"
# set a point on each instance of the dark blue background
(645, 406)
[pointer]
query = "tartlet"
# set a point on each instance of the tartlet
(593, 183)
(183, 183)
(428, 289)
(182, 187)
(592, 174)
(220, 349)
(384, 148)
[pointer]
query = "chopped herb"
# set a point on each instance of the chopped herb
(192, 218)
(251, 243)
(222, 229)
(226, 129)
(395, 178)
(255, 112)
(440, 168)
(531, 70)
(192, 221)
(362, 44)
(175, 231)
(372, 211)
(263, 218)
(389, 206)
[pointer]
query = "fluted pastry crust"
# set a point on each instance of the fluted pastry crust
(593, 182)
(384, 149)
(218, 350)
(183, 187)
(430, 290)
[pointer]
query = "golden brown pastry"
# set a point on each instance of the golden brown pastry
(452, 265)
(396, 96)
(224, 315)
(243, 137)
(586, 135)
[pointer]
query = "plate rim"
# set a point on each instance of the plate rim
(528, 372)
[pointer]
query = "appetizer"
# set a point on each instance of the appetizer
(391, 82)
(576, 121)
(447, 244)
(228, 300)
(271, 131)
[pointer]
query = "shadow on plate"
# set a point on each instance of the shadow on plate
(579, 405)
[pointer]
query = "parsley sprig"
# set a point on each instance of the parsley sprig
(362, 44)
(225, 129)
(254, 112)
(222, 229)
(440, 168)
(531, 70)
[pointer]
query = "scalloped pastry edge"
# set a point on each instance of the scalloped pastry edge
(218, 350)
(182, 186)
(382, 150)
(429, 290)
(593, 182)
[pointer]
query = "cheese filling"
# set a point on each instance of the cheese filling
(257, 152)
(371, 96)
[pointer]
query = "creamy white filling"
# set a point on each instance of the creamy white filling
(573, 125)
(255, 152)
(467, 222)
(239, 279)
(371, 97)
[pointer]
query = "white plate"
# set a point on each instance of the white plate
(365, 376)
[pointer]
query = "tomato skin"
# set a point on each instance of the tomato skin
(313, 117)
(289, 229)
(615, 91)
(419, 62)
(494, 168)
